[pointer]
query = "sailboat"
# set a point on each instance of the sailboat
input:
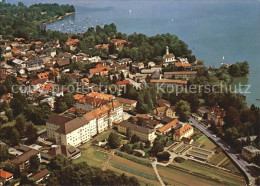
(130, 11)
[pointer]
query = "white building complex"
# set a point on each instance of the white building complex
(68, 131)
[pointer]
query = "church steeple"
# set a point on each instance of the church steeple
(167, 50)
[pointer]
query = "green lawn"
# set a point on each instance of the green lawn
(93, 157)
(133, 171)
(40, 127)
(104, 135)
(206, 143)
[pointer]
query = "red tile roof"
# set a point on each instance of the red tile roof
(77, 97)
(125, 82)
(168, 81)
(181, 72)
(23, 80)
(180, 64)
(168, 125)
(4, 174)
(101, 95)
(183, 130)
(71, 41)
(99, 69)
(43, 75)
(47, 87)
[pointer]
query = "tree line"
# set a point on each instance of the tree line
(22, 21)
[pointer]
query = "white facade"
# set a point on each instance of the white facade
(86, 131)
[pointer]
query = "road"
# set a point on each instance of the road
(244, 165)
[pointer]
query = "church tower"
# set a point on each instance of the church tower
(167, 50)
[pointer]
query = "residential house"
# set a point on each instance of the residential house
(41, 176)
(72, 43)
(128, 104)
(119, 43)
(162, 103)
(144, 133)
(186, 130)
(102, 47)
(23, 162)
(249, 152)
(151, 64)
(103, 71)
(51, 52)
(94, 59)
(180, 75)
(35, 64)
(184, 65)
(44, 75)
(5, 176)
(101, 95)
(168, 127)
(6, 72)
(215, 115)
(7, 97)
(19, 63)
(138, 65)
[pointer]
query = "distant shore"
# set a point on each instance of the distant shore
(58, 18)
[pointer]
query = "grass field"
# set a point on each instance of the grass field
(100, 137)
(93, 157)
(144, 173)
(206, 143)
(206, 172)
(217, 158)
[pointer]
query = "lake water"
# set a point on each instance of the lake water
(212, 28)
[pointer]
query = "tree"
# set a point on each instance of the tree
(157, 147)
(65, 79)
(234, 70)
(25, 180)
(126, 148)
(200, 62)
(68, 98)
(4, 154)
(122, 76)
(164, 156)
(60, 105)
(141, 146)
(59, 162)
(14, 136)
(34, 163)
(20, 124)
(129, 133)
(244, 68)
(31, 133)
(114, 140)
(232, 118)
(135, 139)
(183, 110)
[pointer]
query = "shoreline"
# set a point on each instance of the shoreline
(54, 19)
